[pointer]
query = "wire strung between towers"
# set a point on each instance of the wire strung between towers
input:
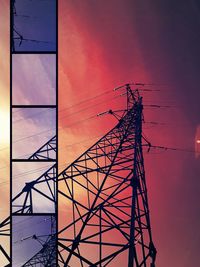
(17, 35)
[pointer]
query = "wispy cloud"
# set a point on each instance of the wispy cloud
(34, 79)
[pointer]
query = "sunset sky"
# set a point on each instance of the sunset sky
(103, 44)
(4, 116)
(38, 85)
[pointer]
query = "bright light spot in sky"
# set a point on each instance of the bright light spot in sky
(5, 127)
(197, 142)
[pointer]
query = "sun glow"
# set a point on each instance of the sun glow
(197, 142)
(5, 127)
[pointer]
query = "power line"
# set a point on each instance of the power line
(63, 147)
(67, 126)
(17, 36)
(174, 149)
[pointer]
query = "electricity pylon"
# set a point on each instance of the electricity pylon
(104, 191)
(17, 37)
(43, 187)
(46, 257)
(5, 232)
(47, 151)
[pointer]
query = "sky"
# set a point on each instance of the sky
(4, 117)
(4, 87)
(38, 124)
(38, 85)
(103, 44)
(41, 62)
(110, 43)
(31, 23)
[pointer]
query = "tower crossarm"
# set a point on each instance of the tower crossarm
(43, 187)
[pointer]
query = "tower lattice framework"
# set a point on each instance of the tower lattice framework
(105, 195)
(43, 186)
(46, 257)
(5, 232)
(47, 151)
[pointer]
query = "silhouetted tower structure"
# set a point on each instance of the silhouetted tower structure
(46, 257)
(47, 151)
(107, 219)
(43, 186)
(5, 232)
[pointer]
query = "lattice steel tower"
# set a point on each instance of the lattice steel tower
(5, 232)
(105, 194)
(46, 257)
